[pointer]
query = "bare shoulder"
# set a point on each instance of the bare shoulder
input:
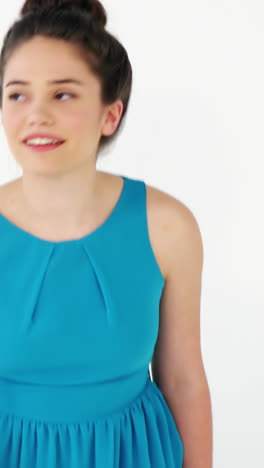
(3, 191)
(172, 227)
(7, 194)
(177, 240)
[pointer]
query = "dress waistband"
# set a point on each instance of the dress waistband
(72, 403)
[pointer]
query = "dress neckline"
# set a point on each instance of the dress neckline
(102, 226)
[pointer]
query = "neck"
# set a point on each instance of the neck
(65, 202)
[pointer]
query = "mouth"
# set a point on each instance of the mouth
(43, 148)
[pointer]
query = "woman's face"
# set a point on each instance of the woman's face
(71, 111)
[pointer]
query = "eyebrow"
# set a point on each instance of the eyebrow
(65, 80)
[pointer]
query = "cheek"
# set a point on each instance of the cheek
(82, 121)
(12, 126)
(11, 121)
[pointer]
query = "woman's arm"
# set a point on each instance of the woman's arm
(177, 366)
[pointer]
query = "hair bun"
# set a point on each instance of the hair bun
(94, 7)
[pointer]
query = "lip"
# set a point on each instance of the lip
(42, 135)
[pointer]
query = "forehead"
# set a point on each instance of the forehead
(47, 58)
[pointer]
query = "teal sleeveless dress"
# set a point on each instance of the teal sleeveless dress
(79, 321)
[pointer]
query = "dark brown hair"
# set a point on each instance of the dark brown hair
(81, 22)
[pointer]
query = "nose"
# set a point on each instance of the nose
(39, 115)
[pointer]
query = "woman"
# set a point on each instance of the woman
(101, 274)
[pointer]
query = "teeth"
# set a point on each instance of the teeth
(41, 141)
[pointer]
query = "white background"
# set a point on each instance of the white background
(194, 129)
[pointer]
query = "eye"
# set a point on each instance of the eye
(69, 94)
(12, 96)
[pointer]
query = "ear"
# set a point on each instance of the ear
(112, 118)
